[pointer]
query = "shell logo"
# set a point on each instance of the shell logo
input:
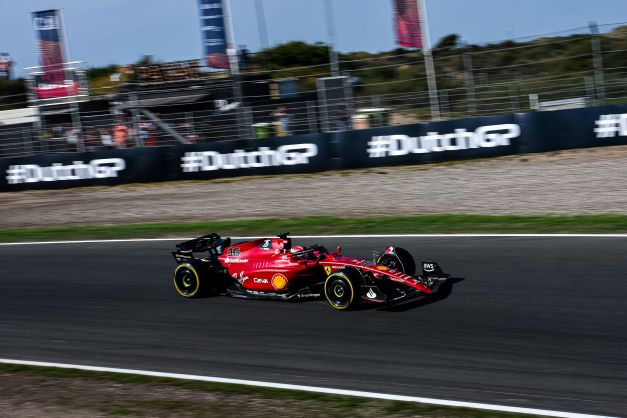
(279, 281)
(382, 268)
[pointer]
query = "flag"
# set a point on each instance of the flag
(47, 26)
(53, 82)
(5, 65)
(408, 24)
(213, 33)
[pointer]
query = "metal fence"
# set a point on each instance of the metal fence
(564, 72)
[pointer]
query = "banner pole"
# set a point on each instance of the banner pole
(230, 38)
(242, 131)
(66, 46)
(597, 63)
(261, 24)
(426, 52)
(335, 68)
(68, 75)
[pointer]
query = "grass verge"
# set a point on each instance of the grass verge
(424, 224)
(137, 395)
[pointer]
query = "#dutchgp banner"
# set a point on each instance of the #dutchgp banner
(213, 33)
(407, 22)
(52, 83)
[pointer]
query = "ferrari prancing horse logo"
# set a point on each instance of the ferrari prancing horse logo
(327, 269)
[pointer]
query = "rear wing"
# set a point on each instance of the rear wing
(211, 243)
(204, 243)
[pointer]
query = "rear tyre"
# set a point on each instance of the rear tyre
(402, 261)
(187, 281)
(342, 289)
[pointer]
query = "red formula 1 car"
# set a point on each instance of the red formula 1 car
(272, 268)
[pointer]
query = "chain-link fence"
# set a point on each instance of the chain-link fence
(550, 73)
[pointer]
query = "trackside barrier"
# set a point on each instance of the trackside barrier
(407, 144)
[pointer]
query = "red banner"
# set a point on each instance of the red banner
(55, 81)
(47, 26)
(407, 20)
(53, 91)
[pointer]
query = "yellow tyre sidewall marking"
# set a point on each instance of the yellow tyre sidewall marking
(193, 270)
(344, 276)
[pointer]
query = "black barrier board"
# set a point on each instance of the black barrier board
(574, 128)
(430, 142)
(394, 145)
(284, 155)
(100, 168)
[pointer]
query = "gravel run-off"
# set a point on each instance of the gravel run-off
(586, 181)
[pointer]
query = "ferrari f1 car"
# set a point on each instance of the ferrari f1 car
(272, 268)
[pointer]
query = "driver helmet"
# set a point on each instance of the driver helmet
(297, 249)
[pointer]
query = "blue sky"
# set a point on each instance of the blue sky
(103, 32)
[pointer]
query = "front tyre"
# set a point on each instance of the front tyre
(341, 290)
(187, 281)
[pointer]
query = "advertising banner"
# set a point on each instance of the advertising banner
(5, 65)
(431, 142)
(449, 140)
(45, 90)
(407, 23)
(100, 168)
(213, 33)
(53, 82)
(574, 128)
(168, 71)
(297, 154)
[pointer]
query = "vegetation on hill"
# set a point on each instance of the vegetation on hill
(525, 67)
(402, 70)
(12, 94)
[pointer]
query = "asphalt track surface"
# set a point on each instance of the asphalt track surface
(535, 322)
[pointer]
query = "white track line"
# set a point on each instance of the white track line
(96, 241)
(314, 389)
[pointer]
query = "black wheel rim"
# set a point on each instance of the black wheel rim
(339, 293)
(186, 282)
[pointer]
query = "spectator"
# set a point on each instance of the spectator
(146, 133)
(120, 133)
(151, 141)
(91, 139)
(282, 118)
(105, 138)
(71, 136)
(57, 131)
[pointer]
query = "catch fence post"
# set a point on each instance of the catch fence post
(28, 142)
(132, 98)
(445, 104)
(513, 97)
(189, 119)
(589, 83)
(597, 61)
(376, 102)
(471, 98)
(312, 118)
(76, 121)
